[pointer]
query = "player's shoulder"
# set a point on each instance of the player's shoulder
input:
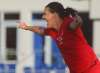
(68, 19)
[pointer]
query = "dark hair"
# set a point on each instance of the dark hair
(58, 8)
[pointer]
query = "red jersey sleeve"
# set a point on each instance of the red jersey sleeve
(51, 32)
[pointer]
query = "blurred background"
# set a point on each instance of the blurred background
(26, 52)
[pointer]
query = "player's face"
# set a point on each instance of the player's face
(50, 17)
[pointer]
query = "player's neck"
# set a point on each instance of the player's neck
(58, 24)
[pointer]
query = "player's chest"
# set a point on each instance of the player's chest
(61, 36)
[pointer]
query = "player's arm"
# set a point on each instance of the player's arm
(76, 22)
(36, 29)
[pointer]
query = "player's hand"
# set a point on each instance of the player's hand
(23, 25)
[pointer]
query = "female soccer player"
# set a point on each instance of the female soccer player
(63, 25)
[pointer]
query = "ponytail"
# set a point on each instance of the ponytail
(70, 11)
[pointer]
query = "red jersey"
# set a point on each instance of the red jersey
(77, 54)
